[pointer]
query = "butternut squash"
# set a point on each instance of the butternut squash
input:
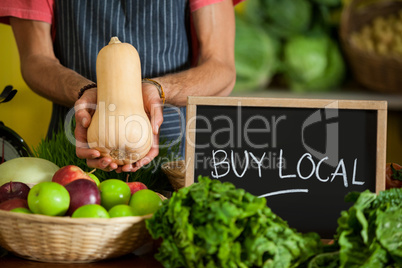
(119, 128)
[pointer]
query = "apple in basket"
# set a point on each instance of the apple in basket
(114, 192)
(12, 190)
(82, 192)
(49, 198)
(136, 186)
(145, 202)
(14, 203)
(69, 173)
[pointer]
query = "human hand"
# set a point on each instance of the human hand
(154, 109)
(84, 109)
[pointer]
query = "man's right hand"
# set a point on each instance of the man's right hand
(84, 109)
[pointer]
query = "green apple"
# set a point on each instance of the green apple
(114, 192)
(48, 198)
(90, 211)
(121, 210)
(145, 202)
(96, 180)
(22, 210)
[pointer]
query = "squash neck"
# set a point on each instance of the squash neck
(114, 40)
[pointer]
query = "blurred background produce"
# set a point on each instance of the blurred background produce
(298, 37)
(295, 49)
(382, 36)
(370, 35)
(257, 56)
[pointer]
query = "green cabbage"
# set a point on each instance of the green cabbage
(306, 50)
(287, 18)
(256, 56)
(283, 18)
(313, 63)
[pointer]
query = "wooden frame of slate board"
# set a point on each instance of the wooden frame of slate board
(302, 155)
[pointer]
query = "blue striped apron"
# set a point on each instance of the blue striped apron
(158, 29)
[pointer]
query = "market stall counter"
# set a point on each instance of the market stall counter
(8, 260)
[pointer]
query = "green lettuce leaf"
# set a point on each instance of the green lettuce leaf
(369, 234)
(325, 260)
(389, 232)
(214, 224)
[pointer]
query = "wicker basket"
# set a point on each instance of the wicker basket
(373, 71)
(175, 171)
(67, 240)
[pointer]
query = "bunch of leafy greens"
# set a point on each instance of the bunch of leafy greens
(369, 234)
(213, 224)
(59, 150)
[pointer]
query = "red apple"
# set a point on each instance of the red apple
(82, 192)
(11, 190)
(136, 186)
(14, 203)
(69, 173)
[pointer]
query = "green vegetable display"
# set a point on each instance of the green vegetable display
(327, 260)
(213, 224)
(306, 56)
(256, 56)
(286, 18)
(369, 234)
(313, 62)
(282, 18)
